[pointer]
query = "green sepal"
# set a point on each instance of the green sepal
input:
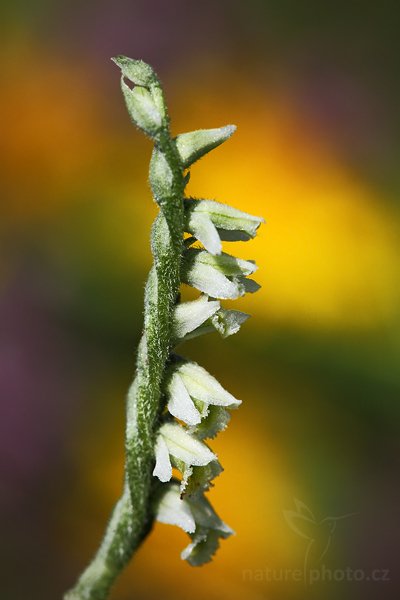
(196, 479)
(216, 420)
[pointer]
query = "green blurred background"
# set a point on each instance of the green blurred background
(314, 89)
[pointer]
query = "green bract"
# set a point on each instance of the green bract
(174, 404)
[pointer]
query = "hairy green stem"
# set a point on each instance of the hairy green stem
(132, 517)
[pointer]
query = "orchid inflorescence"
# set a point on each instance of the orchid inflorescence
(174, 404)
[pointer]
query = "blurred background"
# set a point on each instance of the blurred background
(314, 90)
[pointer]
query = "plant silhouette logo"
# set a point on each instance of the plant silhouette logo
(318, 532)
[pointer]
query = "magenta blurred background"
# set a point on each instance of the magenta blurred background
(314, 90)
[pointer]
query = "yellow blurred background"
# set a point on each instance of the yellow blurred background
(310, 87)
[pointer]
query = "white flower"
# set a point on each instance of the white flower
(210, 222)
(191, 390)
(222, 276)
(204, 387)
(199, 400)
(197, 517)
(190, 315)
(173, 441)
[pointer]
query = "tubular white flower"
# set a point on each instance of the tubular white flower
(197, 399)
(197, 517)
(203, 387)
(221, 276)
(230, 223)
(190, 315)
(181, 446)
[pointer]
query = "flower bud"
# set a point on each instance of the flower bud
(136, 71)
(195, 144)
(142, 109)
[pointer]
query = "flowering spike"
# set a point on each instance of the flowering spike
(173, 404)
(195, 144)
